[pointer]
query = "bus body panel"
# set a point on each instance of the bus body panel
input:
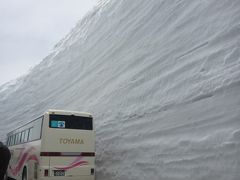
(24, 156)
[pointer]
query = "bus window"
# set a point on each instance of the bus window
(22, 137)
(30, 134)
(37, 127)
(10, 143)
(26, 135)
(70, 122)
(16, 138)
(19, 137)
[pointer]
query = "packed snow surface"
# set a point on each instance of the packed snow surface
(162, 79)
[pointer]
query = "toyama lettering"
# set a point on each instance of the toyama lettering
(71, 141)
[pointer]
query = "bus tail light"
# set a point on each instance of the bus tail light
(46, 172)
(92, 171)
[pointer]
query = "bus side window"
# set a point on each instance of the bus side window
(20, 137)
(23, 137)
(30, 134)
(17, 138)
(8, 141)
(26, 135)
(11, 140)
(37, 127)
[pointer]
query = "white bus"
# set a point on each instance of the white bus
(59, 145)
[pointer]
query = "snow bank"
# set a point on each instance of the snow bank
(162, 79)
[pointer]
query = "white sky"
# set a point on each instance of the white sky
(30, 28)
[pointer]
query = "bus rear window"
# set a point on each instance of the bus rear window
(70, 122)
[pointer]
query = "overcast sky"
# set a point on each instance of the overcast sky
(30, 28)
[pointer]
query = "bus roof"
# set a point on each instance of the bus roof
(66, 112)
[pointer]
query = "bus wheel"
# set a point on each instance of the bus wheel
(24, 174)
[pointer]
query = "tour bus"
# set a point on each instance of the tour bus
(59, 145)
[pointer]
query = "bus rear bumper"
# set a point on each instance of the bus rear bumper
(68, 178)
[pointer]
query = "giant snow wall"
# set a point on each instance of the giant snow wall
(162, 79)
